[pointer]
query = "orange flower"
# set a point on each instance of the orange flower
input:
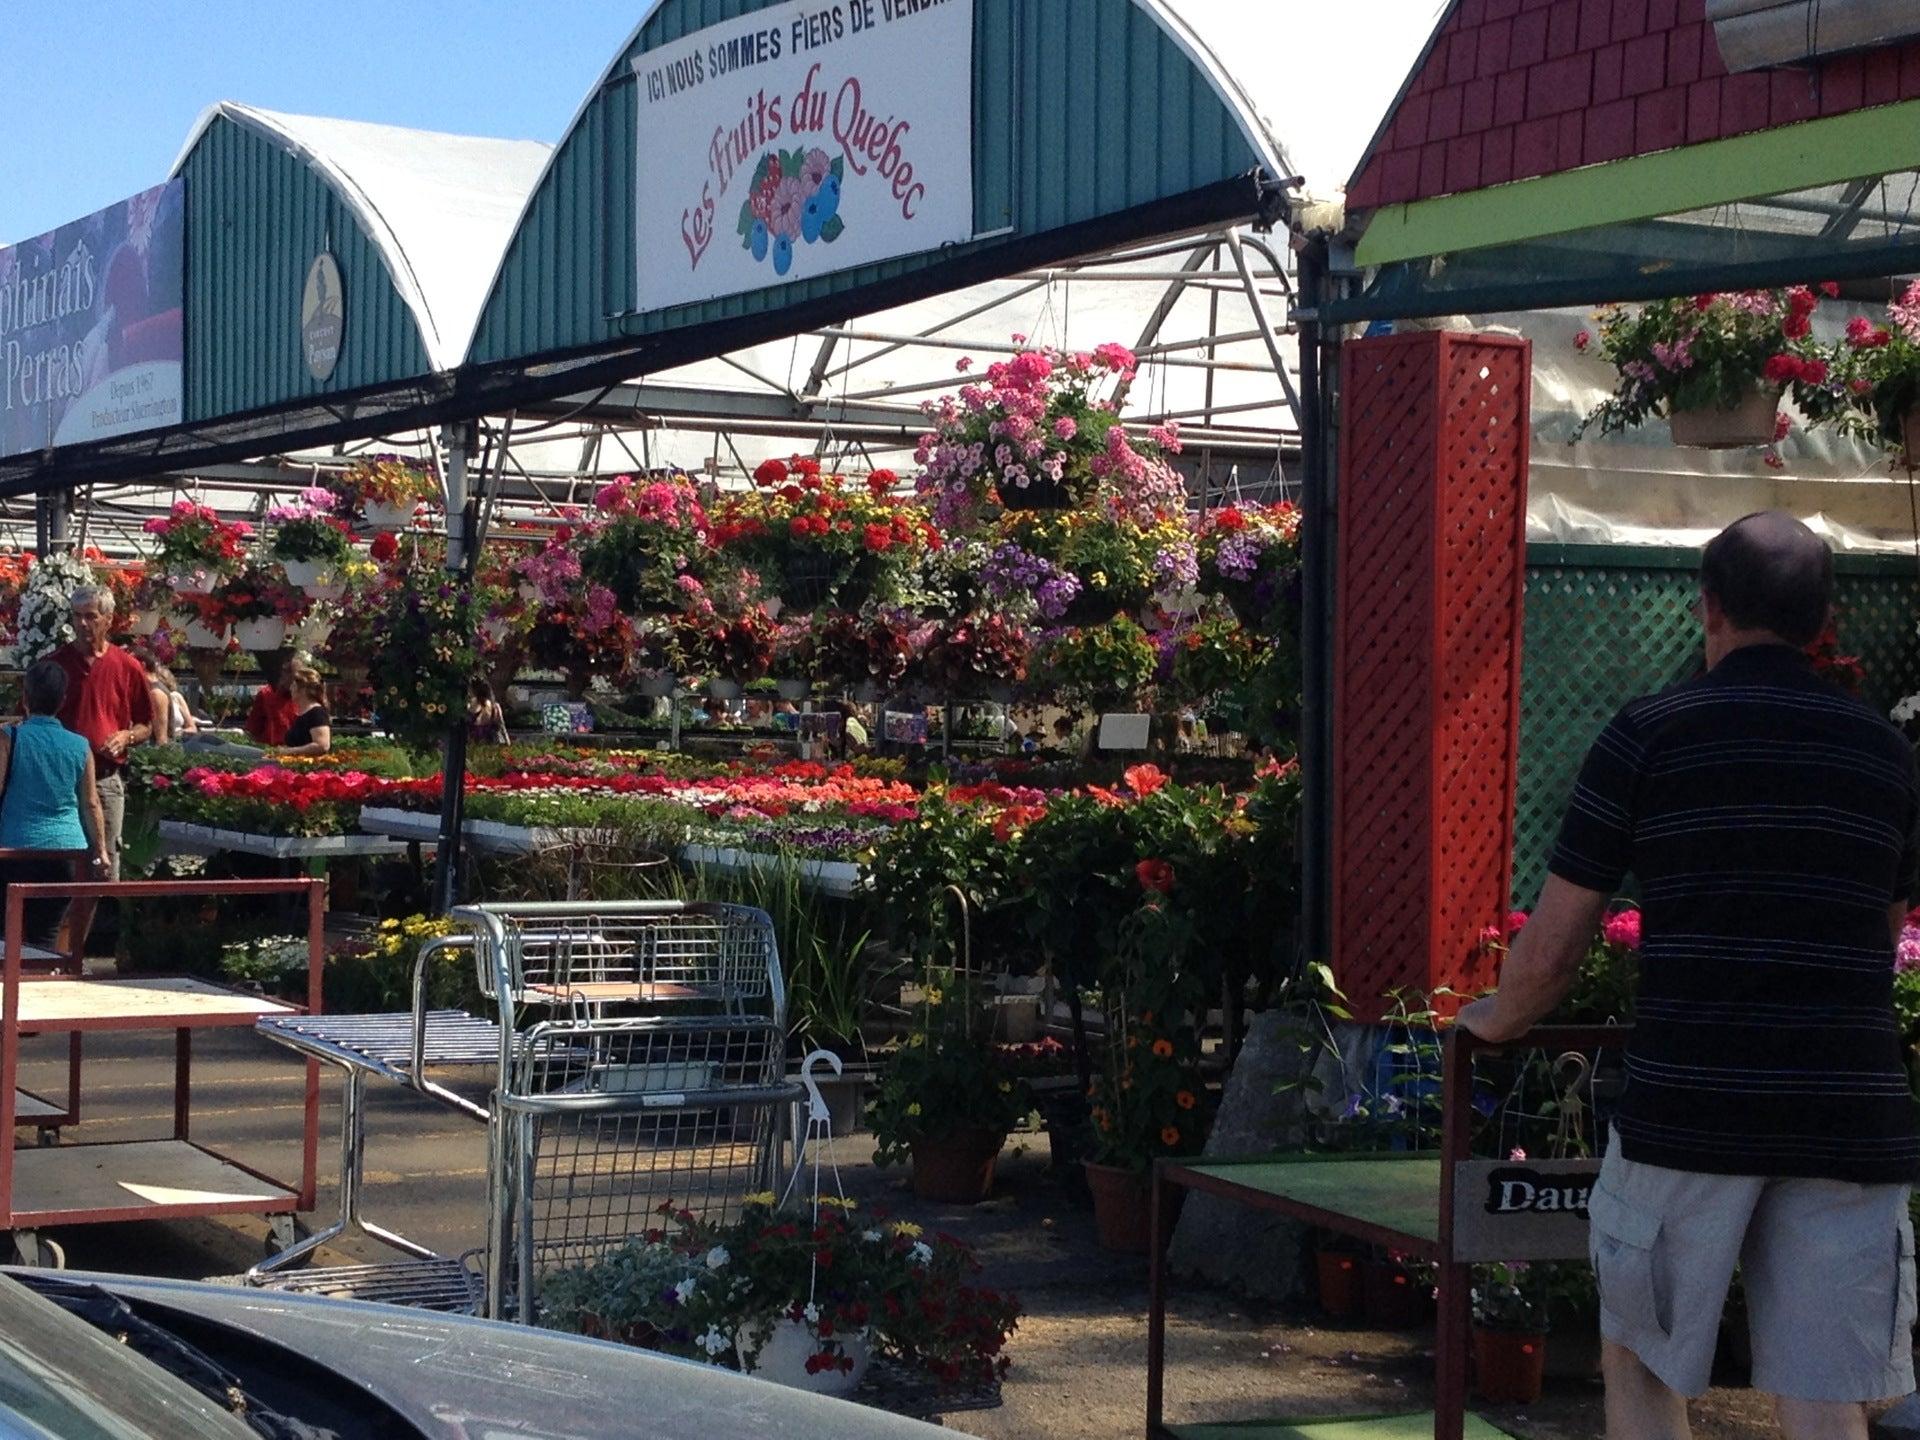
(1143, 780)
(1186, 1100)
(1132, 1041)
(1170, 1135)
(1163, 1048)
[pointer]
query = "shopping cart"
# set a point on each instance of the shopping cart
(636, 1056)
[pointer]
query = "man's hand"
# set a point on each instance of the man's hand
(117, 743)
(1481, 1018)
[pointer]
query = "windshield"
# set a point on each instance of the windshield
(62, 1379)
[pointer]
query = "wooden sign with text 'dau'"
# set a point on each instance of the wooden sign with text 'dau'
(1521, 1209)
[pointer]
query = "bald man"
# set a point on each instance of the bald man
(1769, 819)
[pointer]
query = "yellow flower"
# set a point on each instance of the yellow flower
(1006, 1087)
(915, 1041)
(759, 1197)
(906, 1228)
(934, 995)
(389, 924)
(1099, 578)
(839, 1202)
(914, 1108)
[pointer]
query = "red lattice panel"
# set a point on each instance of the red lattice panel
(1433, 445)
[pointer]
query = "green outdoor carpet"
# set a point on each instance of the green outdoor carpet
(1381, 1427)
(1398, 1194)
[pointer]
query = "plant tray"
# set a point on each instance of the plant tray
(279, 847)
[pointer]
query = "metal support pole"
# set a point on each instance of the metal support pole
(459, 442)
(1318, 387)
(1267, 332)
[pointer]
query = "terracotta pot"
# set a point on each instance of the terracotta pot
(1122, 1209)
(1391, 1297)
(1751, 422)
(1508, 1366)
(957, 1168)
(1340, 1283)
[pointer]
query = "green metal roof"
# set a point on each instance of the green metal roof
(1093, 121)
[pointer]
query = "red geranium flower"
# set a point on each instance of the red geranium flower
(384, 547)
(769, 473)
(1154, 875)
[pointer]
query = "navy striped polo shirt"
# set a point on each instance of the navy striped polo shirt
(1770, 820)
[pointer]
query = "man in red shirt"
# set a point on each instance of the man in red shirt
(107, 702)
(274, 709)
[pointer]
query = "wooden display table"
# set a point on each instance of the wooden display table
(166, 1178)
(1425, 1206)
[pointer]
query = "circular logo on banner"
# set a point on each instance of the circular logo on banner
(323, 316)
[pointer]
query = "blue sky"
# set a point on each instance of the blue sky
(99, 100)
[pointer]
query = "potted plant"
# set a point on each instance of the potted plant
(817, 538)
(1117, 561)
(1394, 1291)
(1509, 1334)
(730, 651)
(647, 544)
(1714, 365)
(865, 653)
(253, 607)
(801, 1299)
(44, 619)
(946, 1104)
(1249, 555)
(389, 490)
(196, 546)
(1871, 381)
(1100, 665)
(1337, 1268)
(309, 540)
(977, 655)
(208, 622)
(1033, 437)
(423, 653)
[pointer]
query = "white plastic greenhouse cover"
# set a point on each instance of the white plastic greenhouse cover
(440, 208)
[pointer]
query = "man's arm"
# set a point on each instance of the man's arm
(1543, 963)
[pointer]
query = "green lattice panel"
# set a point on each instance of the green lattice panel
(1604, 624)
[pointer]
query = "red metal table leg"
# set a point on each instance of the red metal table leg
(182, 1075)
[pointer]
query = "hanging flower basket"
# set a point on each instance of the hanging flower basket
(144, 622)
(329, 589)
(305, 574)
(388, 515)
(721, 687)
(1752, 421)
(200, 636)
(266, 633)
(195, 581)
(783, 1360)
(314, 631)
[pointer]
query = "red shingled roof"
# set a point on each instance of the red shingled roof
(1515, 88)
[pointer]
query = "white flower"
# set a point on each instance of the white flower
(713, 1342)
(812, 1312)
(921, 1254)
(717, 1257)
(683, 1291)
(1906, 709)
(871, 1236)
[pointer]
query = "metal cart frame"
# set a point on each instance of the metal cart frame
(38, 1186)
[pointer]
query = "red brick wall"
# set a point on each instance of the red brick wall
(1516, 88)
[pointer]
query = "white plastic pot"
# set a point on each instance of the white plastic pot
(197, 581)
(330, 588)
(381, 515)
(783, 1360)
(795, 690)
(200, 637)
(304, 574)
(266, 633)
(721, 688)
(144, 622)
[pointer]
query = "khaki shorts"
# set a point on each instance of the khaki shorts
(1828, 1269)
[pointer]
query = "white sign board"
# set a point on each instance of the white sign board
(800, 140)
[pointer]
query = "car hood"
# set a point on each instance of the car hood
(465, 1379)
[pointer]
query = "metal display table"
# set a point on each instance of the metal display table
(168, 1178)
(1424, 1206)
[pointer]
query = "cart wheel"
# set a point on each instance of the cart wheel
(37, 1251)
(283, 1233)
(47, 1135)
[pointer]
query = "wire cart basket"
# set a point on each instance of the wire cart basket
(637, 1056)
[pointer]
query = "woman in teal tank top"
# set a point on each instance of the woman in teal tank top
(47, 796)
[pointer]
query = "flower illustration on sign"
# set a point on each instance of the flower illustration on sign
(794, 199)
